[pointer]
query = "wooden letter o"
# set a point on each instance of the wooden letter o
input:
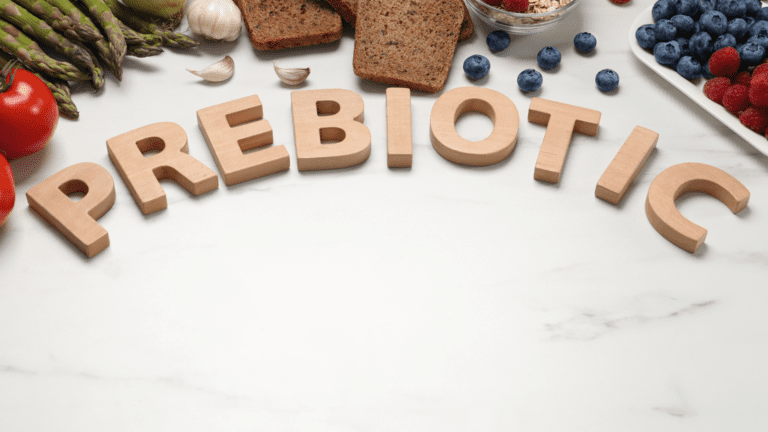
(450, 145)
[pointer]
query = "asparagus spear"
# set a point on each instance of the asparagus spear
(143, 50)
(39, 30)
(52, 16)
(84, 26)
(132, 37)
(110, 25)
(20, 45)
(60, 90)
(129, 17)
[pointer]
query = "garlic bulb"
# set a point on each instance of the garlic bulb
(219, 71)
(215, 19)
(291, 76)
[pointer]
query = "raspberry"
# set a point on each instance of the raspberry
(758, 90)
(736, 98)
(754, 118)
(724, 61)
(492, 2)
(715, 88)
(743, 78)
(763, 68)
(619, 2)
(515, 5)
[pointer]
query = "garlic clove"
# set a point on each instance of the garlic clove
(219, 71)
(291, 76)
(215, 19)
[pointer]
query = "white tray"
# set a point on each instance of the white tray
(692, 89)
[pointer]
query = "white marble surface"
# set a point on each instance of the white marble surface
(437, 298)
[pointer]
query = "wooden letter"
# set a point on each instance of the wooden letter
(626, 165)
(450, 145)
(76, 220)
(399, 140)
(329, 115)
(142, 174)
(234, 127)
(561, 121)
(683, 178)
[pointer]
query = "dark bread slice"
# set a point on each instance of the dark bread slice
(407, 43)
(348, 10)
(278, 24)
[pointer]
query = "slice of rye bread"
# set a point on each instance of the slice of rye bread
(348, 10)
(278, 24)
(407, 43)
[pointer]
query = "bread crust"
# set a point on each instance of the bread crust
(279, 24)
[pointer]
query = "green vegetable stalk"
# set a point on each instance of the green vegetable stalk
(101, 13)
(170, 38)
(83, 25)
(19, 45)
(169, 10)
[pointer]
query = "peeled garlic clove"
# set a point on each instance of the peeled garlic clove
(219, 71)
(290, 76)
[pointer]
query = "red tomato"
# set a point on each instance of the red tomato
(7, 191)
(28, 114)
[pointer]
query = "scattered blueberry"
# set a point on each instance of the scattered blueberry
(737, 27)
(607, 80)
(685, 46)
(706, 5)
(731, 8)
(665, 31)
(751, 54)
(752, 7)
(702, 46)
(584, 42)
(725, 40)
(497, 40)
(684, 24)
(646, 36)
(689, 68)
(687, 7)
(667, 53)
(476, 66)
(713, 22)
(529, 80)
(760, 26)
(761, 39)
(548, 57)
(663, 9)
(762, 14)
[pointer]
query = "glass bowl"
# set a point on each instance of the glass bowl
(521, 23)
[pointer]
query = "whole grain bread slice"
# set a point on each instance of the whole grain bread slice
(348, 10)
(407, 43)
(278, 24)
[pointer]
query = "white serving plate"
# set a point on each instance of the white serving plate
(692, 89)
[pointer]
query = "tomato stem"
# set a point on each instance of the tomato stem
(8, 69)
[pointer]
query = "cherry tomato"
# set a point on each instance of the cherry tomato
(28, 114)
(7, 191)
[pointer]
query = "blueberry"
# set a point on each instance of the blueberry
(751, 54)
(584, 42)
(548, 57)
(752, 7)
(497, 40)
(702, 46)
(665, 30)
(646, 36)
(713, 22)
(758, 27)
(476, 66)
(762, 14)
(607, 80)
(663, 9)
(529, 80)
(685, 46)
(687, 7)
(667, 53)
(684, 24)
(725, 40)
(731, 8)
(705, 72)
(705, 5)
(761, 39)
(737, 27)
(689, 68)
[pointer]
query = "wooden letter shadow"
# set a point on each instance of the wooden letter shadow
(234, 127)
(681, 179)
(626, 165)
(399, 139)
(561, 121)
(76, 220)
(142, 174)
(452, 146)
(329, 115)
